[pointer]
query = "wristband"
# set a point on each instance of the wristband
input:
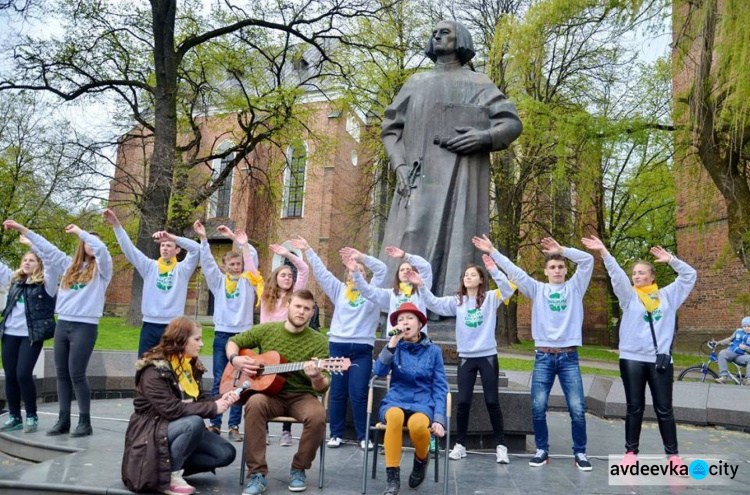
(231, 357)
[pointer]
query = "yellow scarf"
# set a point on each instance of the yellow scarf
(187, 382)
(405, 288)
(351, 294)
(507, 301)
(255, 280)
(167, 266)
(649, 296)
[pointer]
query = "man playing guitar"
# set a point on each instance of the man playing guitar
(295, 341)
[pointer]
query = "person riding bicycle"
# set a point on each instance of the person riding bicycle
(737, 352)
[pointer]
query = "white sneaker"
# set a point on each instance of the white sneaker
(334, 443)
(362, 445)
(457, 452)
(178, 485)
(501, 455)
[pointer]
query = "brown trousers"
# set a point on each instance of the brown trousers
(301, 406)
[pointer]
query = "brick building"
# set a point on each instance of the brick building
(321, 191)
(722, 295)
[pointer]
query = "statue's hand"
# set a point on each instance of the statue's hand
(468, 141)
(402, 180)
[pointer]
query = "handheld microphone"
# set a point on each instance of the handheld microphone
(245, 385)
(394, 331)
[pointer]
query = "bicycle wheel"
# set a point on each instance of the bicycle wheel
(695, 374)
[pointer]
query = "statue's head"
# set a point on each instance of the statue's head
(450, 36)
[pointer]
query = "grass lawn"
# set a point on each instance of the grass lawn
(604, 353)
(116, 335)
(513, 364)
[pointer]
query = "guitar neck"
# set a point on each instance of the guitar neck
(283, 368)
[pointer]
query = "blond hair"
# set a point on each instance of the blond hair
(36, 277)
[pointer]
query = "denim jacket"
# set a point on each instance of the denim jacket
(418, 382)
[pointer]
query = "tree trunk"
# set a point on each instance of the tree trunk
(156, 194)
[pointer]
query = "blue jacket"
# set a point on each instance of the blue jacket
(418, 382)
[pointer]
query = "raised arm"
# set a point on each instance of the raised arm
(303, 271)
(526, 285)
(680, 289)
(331, 285)
(502, 282)
(584, 269)
(424, 268)
(53, 258)
(444, 306)
(378, 268)
(379, 296)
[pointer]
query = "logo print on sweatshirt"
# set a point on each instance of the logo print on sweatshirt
(359, 301)
(78, 286)
(164, 281)
(557, 302)
(233, 295)
(401, 300)
(655, 314)
(473, 318)
(21, 300)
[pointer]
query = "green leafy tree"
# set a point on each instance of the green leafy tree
(174, 66)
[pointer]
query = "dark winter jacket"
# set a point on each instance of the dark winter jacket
(158, 400)
(418, 382)
(40, 310)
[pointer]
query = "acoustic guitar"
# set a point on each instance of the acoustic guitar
(271, 376)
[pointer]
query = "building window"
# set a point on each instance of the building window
(221, 200)
(294, 180)
(352, 126)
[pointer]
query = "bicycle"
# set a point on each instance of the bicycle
(700, 372)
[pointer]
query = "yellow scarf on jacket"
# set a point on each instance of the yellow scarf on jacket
(351, 293)
(167, 266)
(406, 288)
(255, 280)
(649, 296)
(185, 377)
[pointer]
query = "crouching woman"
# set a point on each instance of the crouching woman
(166, 438)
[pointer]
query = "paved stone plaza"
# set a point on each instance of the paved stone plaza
(92, 464)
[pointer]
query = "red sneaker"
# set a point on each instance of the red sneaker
(178, 485)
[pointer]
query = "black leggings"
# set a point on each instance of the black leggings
(635, 376)
(467, 375)
(74, 343)
(19, 359)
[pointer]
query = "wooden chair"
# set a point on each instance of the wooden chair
(289, 419)
(378, 427)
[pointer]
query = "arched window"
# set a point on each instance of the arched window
(294, 180)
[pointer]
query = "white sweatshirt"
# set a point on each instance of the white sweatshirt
(636, 342)
(163, 295)
(556, 309)
(385, 299)
(15, 323)
(353, 322)
(475, 328)
(83, 303)
(233, 313)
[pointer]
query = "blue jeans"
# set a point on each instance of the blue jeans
(150, 336)
(352, 385)
(565, 366)
(191, 447)
(220, 362)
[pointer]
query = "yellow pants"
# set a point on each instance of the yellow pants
(419, 433)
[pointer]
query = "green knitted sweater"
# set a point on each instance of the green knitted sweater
(295, 347)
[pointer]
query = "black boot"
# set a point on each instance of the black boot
(418, 472)
(394, 481)
(84, 426)
(62, 425)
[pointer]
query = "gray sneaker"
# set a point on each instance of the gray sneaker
(286, 439)
(256, 485)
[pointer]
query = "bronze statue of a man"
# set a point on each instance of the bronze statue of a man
(438, 133)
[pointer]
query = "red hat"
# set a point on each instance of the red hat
(408, 308)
